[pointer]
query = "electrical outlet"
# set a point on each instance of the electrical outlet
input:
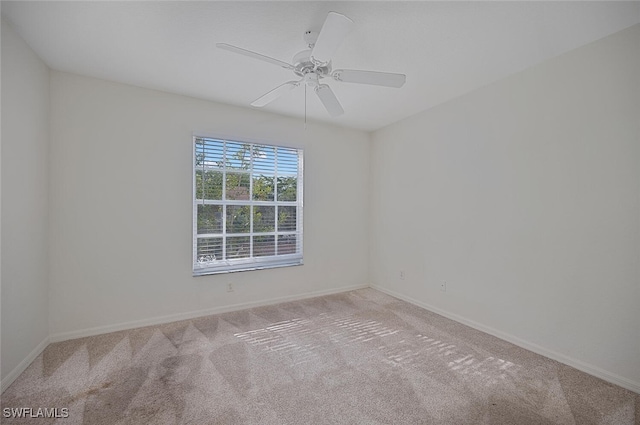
(443, 286)
(401, 274)
(230, 287)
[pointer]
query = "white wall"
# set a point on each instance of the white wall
(121, 205)
(524, 196)
(25, 140)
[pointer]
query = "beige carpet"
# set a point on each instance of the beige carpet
(360, 357)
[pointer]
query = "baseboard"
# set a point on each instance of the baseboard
(11, 376)
(64, 336)
(569, 361)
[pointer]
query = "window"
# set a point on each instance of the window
(247, 206)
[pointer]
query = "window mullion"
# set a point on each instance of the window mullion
(224, 198)
(299, 203)
(250, 200)
(275, 199)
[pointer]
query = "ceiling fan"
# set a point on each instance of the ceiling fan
(314, 64)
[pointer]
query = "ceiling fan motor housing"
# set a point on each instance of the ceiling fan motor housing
(311, 79)
(303, 65)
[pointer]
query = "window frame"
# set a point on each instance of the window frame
(251, 262)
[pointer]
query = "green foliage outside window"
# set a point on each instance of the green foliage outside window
(225, 172)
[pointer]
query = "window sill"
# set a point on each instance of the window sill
(246, 267)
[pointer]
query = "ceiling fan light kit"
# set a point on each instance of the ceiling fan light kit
(314, 64)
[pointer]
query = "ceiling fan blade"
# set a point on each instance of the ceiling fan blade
(329, 100)
(386, 79)
(275, 93)
(254, 55)
(334, 30)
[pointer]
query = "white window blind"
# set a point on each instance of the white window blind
(247, 206)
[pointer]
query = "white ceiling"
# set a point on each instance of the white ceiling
(445, 48)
